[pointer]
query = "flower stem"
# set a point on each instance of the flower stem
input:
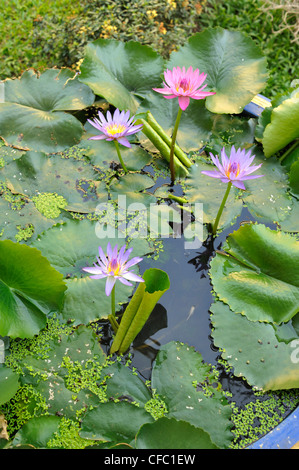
(113, 323)
(113, 301)
(215, 226)
(171, 159)
(119, 156)
(111, 317)
(289, 150)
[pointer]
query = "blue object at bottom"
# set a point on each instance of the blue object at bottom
(284, 436)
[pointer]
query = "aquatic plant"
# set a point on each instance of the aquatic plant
(232, 170)
(116, 128)
(182, 84)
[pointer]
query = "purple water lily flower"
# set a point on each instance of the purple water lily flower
(235, 168)
(114, 266)
(116, 127)
(184, 85)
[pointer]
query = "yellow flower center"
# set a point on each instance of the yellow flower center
(184, 84)
(113, 129)
(233, 168)
(114, 267)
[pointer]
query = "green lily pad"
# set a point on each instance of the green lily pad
(34, 173)
(294, 178)
(9, 384)
(114, 422)
(33, 117)
(30, 288)
(26, 223)
(201, 189)
(257, 274)
(123, 382)
(253, 350)
(176, 371)
(235, 67)
(195, 125)
(107, 69)
(290, 223)
(61, 375)
(267, 198)
(74, 245)
(132, 188)
(102, 153)
(86, 301)
(37, 432)
(176, 435)
(283, 127)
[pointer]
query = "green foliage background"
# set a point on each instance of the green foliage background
(54, 33)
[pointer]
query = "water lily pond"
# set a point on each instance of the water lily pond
(149, 249)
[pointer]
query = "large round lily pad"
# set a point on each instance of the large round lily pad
(35, 173)
(235, 67)
(254, 351)
(121, 72)
(257, 274)
(30, 288)
(33, 114)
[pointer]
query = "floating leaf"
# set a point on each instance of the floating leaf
(176, 435)
(257, 275)
(132, 188)
(35, 173)
(102, 153)
(177, 370)
(9, 384)
(37, 432)
(118, 422)
(267, 198)
(122, 382)
(234, 65)
(60, 374)
(294, 178)
(195, 124)
(283, 127)
(33, 116)
(30, 288)
(74, 245)
(86, 300)
(121, 72)
(253, 350)
(209, 192)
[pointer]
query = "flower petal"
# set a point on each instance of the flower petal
(97, 137)
(239, 184)
(184, 102)
(133, 261)
(123, 141)
(109, 285)
(93, 270)
(132, 277)
(213, 174)
(125, 282)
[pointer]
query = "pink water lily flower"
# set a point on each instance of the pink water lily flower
(235, 168)
(114, 266)
(184, 85)
(116, 127)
